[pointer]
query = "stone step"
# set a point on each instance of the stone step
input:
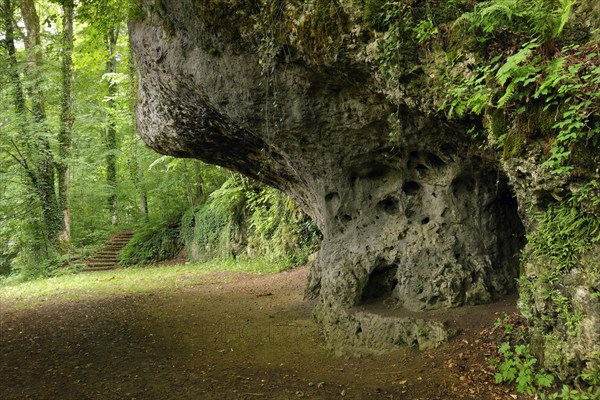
(113, 260)
(98, 269)
(107, 258)
(93, 263)
(105, 254)
(119, 240)
(115, 250)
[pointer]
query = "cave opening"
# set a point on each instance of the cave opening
(510, 235)
(380, 283)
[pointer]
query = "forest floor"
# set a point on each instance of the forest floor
(220, 335)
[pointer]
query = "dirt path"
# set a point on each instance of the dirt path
(240, 337)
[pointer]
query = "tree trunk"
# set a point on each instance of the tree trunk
(66, 127)
(44, 161)
(111, 131)
(195, 184)
(19, 96)
(137, 172)
(34, 59)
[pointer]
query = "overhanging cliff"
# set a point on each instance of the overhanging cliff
(414, 211)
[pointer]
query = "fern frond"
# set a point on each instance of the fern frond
(554, 76)
(508, 94)
(565, 13)
(510, 67)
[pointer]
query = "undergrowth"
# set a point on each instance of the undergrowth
(244, 219)
(152, 243)
(563, 233)
(408, 25)
(516, 365)
(526, 61)
(515, 362)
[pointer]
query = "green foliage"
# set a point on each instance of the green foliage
(408, 25)
(153, 243)
(564, 233)
(575, 83)
(248, 220)
(516, 363)
(541, 19)
(148, 188)
(568, 393)
(373, 13)
(47, 268)
(563, 80)
(425, 30)
(210, 229)
(278, 227)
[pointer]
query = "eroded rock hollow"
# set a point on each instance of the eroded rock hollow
(420, 219)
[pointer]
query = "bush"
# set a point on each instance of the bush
(153, 243)
(248, 219)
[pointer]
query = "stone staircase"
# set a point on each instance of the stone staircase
(108, 257)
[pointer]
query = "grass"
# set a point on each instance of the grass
(93, 285)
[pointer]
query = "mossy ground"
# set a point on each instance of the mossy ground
(126, 281)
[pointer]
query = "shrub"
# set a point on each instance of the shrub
(153, 243)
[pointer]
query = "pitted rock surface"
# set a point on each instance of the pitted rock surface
(421, 220)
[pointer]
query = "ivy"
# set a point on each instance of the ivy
(407, 25)
(247, 217)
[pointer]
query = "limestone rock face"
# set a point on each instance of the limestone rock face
(562, 308)
(419, 220)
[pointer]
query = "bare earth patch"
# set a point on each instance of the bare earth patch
(238, 337)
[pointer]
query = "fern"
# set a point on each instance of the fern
(496, 13)
(541, 19)
(564, 232)
(553, 78)
(566, 86)
(563, 16)
(508, 94)
(510, 67)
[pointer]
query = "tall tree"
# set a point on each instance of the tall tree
(45, 165)
(136, 171)
(66, 126)
(106, 19)
(111, 131)
(9, 43)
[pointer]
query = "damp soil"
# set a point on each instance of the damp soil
(236, 337)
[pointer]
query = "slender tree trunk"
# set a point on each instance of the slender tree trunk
(19, 96)
(111, 131)
(137, 172)
(195, 184)
(144, 204)
(34, 58)
(45, 160)
(66, 126)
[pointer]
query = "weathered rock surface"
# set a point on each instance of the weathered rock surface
(561, 306)
(421, 219)
(425, 219)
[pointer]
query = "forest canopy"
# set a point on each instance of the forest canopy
(72, 168)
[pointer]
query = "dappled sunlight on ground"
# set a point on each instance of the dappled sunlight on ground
(201, 334)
